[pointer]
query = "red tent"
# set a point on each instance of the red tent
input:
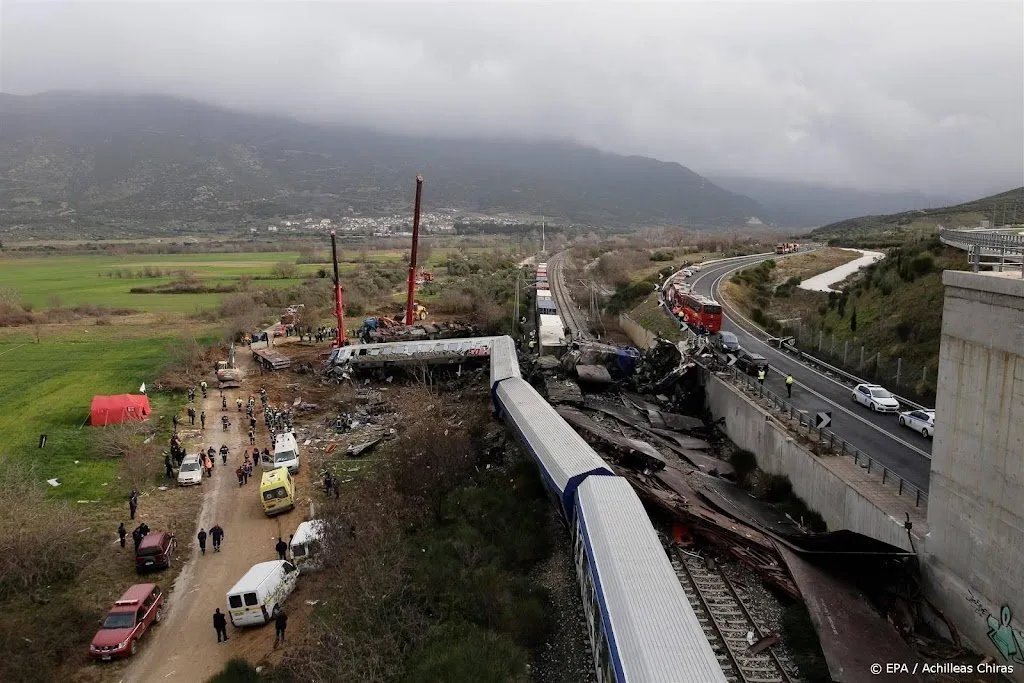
(112, 410)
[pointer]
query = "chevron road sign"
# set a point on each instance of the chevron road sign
(823, 419)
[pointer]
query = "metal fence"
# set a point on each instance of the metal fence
(803, 423)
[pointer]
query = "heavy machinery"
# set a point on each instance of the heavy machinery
(419, 311)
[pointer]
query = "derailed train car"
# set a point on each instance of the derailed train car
(642, 627)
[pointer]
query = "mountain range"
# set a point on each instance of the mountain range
(112, 164)
(806, 205)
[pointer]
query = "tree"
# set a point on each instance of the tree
(853, 321)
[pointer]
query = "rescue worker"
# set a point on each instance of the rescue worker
(133, 502)
(217, 533)
(760, 377)
(281, 548)
(789, 386)
(224, 454)
(136, 538)
(252, 437)
(202, 385)
(238, 403)
(191, 395)
(224, 422)
(240, 473)
(202, 420)
(168, 467)
(202, 540)
(220, 624)
(121, 533)
(223, 402)
(280, 624)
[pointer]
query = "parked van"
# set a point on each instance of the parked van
(277, 491)
(154, 551)
(305, 545)
(286, 453)
(257, 597)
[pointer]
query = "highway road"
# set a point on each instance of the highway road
(907, 453)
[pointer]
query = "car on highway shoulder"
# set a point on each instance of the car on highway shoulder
(727, 342)
(875, 397)
(922, 421)
(140, 607)
(190, 472)
(750, 363)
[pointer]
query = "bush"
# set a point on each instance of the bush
(743, 462)
(464, 652)
(283, 270)
(236, 670)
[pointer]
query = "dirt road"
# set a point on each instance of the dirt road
(184, 646)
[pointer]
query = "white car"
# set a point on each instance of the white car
(920, 421)
(876, 398)
(688, 272)
(191, 471)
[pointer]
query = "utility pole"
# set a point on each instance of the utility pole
(543, 239)
(515, 311)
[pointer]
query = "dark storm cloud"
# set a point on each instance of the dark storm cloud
(926, 96)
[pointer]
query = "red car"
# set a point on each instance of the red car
(139, 608)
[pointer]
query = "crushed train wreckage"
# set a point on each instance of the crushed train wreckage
(646, 412)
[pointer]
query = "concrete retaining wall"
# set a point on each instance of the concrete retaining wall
(777, 452)
(975, 552)
(639, 335)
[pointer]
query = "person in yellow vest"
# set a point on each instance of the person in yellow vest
(789, 386)
(760, 376)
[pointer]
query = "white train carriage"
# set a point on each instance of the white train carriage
(504, 360)
(642, 627)
(562, 455)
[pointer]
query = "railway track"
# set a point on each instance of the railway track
(571, 316)
(727, 623)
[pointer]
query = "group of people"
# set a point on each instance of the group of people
(216, 534)
(320, 334)
(138, 533)
(332, 484)
(245, 470)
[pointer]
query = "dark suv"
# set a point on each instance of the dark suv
(154, 551)
(726, 342)
(751, 363)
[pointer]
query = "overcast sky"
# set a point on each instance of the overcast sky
(917, 95)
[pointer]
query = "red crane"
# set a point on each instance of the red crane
(339, 295)
(415, 243)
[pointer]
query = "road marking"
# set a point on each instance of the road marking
(880, 430)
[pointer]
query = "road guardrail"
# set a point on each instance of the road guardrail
(807, 358)
(825, 438)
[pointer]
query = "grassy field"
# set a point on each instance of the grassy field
(654, 318)
(46, 388)
(85, 279)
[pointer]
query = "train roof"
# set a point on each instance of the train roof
(653, 628)
(563, 457)
(504, 360)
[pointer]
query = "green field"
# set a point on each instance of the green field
(46, 388)
(83, 279)
(80, 280)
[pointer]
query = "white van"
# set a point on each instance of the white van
(257, 597)
(286, 453)
(305, 545)
(191, 471)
